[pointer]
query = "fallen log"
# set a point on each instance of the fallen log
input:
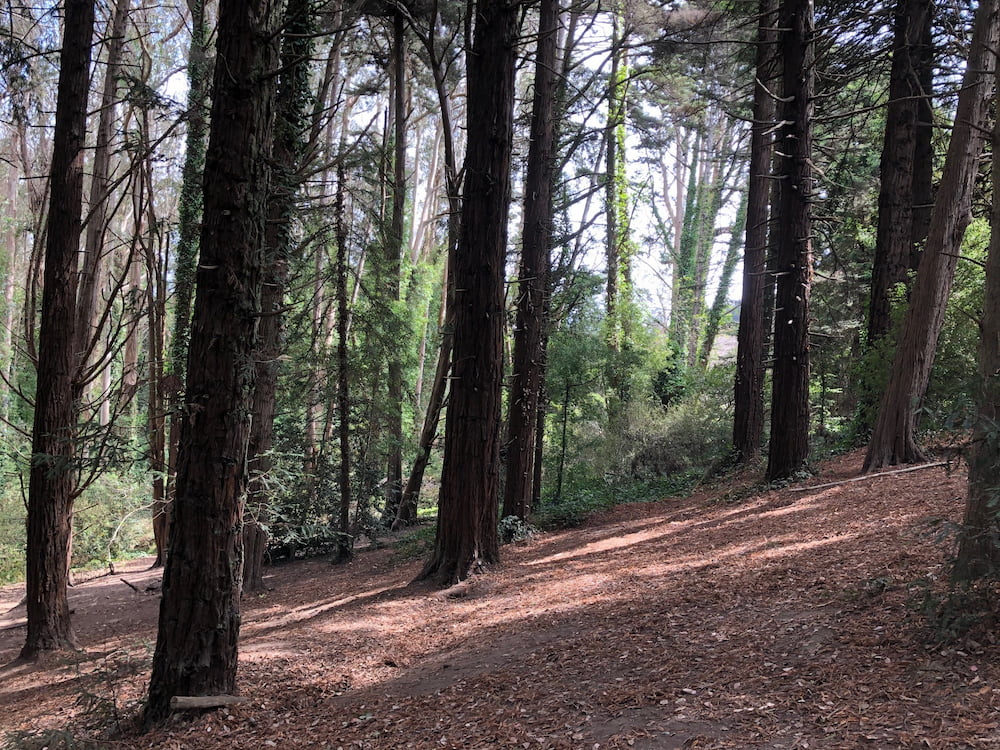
(190, 702)
(867, 476)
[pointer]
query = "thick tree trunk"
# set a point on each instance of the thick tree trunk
(51, 482)
(979, 545)
(196, 649)
(467, 510)
(789, 444)
(527, 380)
(894, 440)
(895, 231)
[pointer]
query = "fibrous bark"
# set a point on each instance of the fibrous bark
(199, 623)
(467, 510)
(894, 436)
(51, 482)
(529, 332)
(789, 443)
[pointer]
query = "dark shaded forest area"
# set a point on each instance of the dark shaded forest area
(285, 280)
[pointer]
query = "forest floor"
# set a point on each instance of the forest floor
(728, 619)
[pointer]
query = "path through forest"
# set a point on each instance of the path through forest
(780, 620)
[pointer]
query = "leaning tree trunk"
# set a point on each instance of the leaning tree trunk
(467, 509)
(196, 648)
(894, 440)
(789, 445)
(407, 512)
(51, 482)
(529, 332)
(979, 545)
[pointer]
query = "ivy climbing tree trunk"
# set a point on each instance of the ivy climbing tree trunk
(199, 624)
(789, 444)
(189, 222)
(51, 480)
(466, 536)
(894, 436)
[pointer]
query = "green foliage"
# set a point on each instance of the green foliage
(586, 493)
(112, 521)
(416, 544)
(512, 529)
(47, 739)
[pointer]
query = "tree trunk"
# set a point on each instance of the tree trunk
(895, 230)
(407, 513)
(51, 482)
(189, 222)
(979, 544)
(529, 332)
(394, 254)
(467, 510)
(287, 162)
(344, 540)
(100, 190)
(789, 445)
(748, 389)
(721, 302)
(894, 440)
(196, 649)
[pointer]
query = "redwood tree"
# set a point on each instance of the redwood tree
(196, 649)
(893, 440)
(748, 415)
(528, 367)
(894, 241)
(51, 483)
(467, 508)
(979, 547)
(789, 444)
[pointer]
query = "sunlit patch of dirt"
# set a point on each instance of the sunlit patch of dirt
(779, 620)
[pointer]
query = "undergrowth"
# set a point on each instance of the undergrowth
(579, 501)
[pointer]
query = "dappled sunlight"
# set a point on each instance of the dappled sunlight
(310, 611)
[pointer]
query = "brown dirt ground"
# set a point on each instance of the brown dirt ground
(777, 620)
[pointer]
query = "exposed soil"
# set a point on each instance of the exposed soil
(779, 620)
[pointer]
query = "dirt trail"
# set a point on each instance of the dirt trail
(782, 620)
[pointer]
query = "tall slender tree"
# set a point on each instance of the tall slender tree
(894, 437)
(748, 409)
(528, 366)
(789, 445)
(51, 481)
(199, 622)
(467, 508)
